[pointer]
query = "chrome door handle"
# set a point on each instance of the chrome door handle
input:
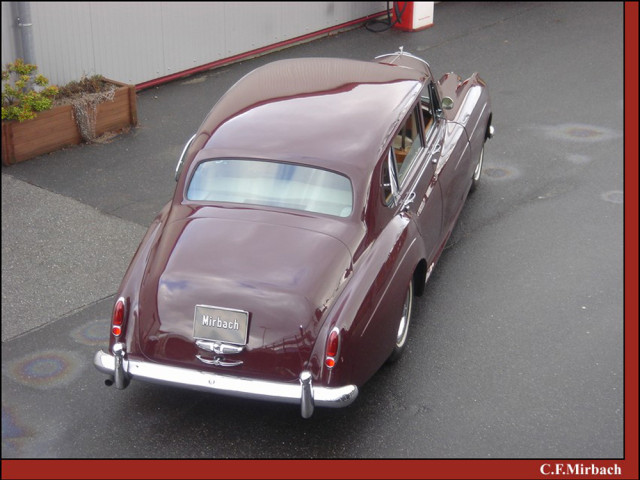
(434, 152)
(407, 203)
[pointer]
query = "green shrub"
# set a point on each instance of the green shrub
(24, 92)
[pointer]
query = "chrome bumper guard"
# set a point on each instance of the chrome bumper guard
(121, 371)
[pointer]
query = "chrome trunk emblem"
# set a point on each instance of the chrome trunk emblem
(218, 347)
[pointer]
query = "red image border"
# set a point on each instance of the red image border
(444, 469)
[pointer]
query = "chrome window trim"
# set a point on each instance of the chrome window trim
(182, 155)
(393, 178)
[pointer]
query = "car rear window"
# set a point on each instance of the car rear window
(274, 184)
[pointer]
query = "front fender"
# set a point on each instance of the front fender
(471, 107)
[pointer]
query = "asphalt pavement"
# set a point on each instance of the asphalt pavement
(516, 349)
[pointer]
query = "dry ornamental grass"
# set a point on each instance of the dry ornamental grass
(84, 96)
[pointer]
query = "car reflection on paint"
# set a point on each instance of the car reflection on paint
(310, 208)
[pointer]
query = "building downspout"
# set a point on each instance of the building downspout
(26, 32)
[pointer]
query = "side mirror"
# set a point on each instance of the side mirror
(182, 155)
(447, 103)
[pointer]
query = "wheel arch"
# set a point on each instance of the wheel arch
(487, 133)
(419, 278)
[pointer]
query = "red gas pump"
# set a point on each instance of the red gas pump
(412, 16)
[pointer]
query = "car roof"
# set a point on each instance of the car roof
(332, 113)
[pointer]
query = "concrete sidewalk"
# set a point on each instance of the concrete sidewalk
(58, 255)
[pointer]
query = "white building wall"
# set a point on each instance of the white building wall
(137, 42)
(7, 19)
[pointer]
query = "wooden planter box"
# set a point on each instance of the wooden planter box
(56, 128)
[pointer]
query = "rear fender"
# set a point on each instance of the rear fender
(130, 284)
(365, 312)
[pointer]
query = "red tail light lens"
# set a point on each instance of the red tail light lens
(118, 318)
(333, 348)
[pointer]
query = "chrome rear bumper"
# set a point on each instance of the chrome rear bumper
(122, 370)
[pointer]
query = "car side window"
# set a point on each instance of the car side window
(428, 112)
(428, 117)
(407, 144)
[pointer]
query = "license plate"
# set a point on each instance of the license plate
(221, 324)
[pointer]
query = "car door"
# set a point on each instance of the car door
(419, 189)
(452, 159)
(430, 207)
(452, 173)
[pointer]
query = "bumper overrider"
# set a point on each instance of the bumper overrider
(121, 370)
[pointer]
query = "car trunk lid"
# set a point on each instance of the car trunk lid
(212, 278)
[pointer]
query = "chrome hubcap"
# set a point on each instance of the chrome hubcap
(403, 329)
(478, 170)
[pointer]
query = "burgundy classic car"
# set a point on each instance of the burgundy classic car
(310, 208)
